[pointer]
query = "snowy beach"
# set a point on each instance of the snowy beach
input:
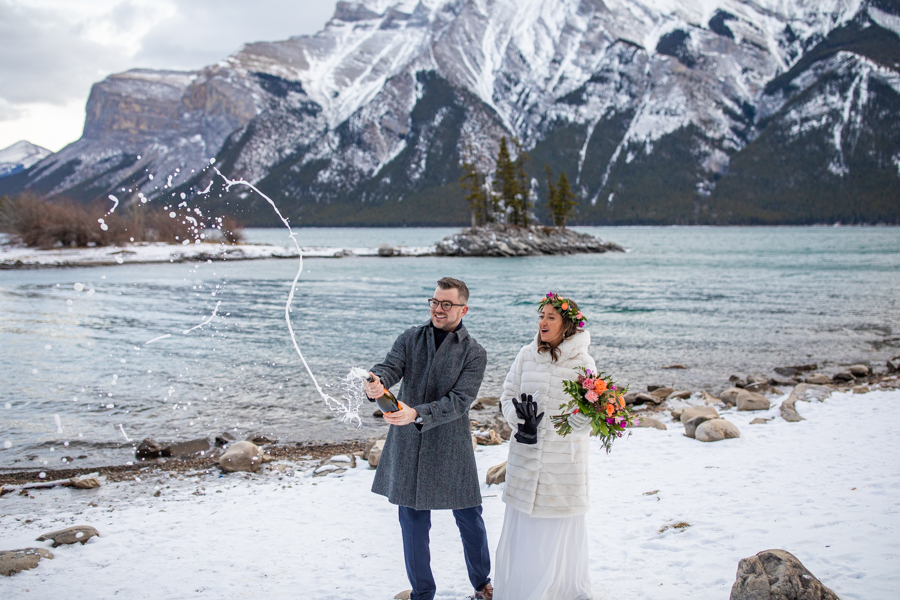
(826, 489)
(21, 257)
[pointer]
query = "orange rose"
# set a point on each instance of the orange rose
(621, 401)
(600, 386)
(565, 306)
(610, 410)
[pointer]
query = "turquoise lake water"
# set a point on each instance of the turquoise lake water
(718, 300)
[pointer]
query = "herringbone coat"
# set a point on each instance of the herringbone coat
(432, 465)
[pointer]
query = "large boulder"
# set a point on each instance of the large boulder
(188, 448)
(842, 377)
(691, 425)
(859, 370)
(730, 395)
(85, 483)
(650, 422)
(241, 456)
(694, 411)
(374, 453)
(501, 426)
(644, 398)
(13, 561)
(893, 365)
(662, 392)
(795, 370)
(716, 430)
(777, 575)
(804, 391)
(747, 400)
(148, 449)
(70, 535)
(496, 474)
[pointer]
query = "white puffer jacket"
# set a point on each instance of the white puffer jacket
(550, 478)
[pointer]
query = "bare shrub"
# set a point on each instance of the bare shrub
(41, 223)
(232, 230)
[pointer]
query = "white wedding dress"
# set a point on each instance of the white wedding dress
(542, 559)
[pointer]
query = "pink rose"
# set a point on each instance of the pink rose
(587, 383)
(592, 396)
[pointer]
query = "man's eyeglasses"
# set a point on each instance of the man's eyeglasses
(445, 304)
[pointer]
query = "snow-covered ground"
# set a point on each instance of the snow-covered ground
(161, 252)
(826, 489)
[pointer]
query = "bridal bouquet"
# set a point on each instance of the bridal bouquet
(598, 397)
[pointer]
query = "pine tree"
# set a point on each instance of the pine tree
(523, 200)
(551, 193)
(506, 178)
(473, 182)
(564, 201)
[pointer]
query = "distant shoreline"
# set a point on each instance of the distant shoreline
(17, 257)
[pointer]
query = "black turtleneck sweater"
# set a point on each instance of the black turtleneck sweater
(440, 335)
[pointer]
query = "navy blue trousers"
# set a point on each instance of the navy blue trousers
(416, 525)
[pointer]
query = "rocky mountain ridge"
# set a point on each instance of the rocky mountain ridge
(660, 112)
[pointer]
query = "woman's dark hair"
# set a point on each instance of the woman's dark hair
(570, 328)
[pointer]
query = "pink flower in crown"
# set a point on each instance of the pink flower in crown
(587, 383)
(579, 316)
(592, 396)
(550, 295)
(581, 324)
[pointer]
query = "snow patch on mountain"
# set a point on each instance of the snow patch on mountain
(884, 19)
(21, 156)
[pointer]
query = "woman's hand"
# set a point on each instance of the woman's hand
(526, 410)
(578, 421)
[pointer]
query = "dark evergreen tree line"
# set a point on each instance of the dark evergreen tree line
(507, 196)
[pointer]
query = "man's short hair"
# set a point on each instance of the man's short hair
(448, 283)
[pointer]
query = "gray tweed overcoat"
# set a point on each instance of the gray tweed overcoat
(432, 465)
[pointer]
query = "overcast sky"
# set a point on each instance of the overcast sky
(53, 50)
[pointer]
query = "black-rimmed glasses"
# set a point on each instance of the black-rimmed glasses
(445, 304)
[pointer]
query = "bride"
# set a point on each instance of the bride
(543, 549)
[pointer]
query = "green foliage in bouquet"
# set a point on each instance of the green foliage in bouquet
(597, 396)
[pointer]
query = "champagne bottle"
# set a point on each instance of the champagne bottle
(386, 402)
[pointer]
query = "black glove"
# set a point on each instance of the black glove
(526, 410)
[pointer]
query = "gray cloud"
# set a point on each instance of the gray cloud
(43, 58)
(46, 55)
(200, 35)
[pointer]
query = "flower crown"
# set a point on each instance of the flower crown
(563, 307)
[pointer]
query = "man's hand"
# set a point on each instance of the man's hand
(373, 388)
(404, 416)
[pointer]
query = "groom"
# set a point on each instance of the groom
(428, 462)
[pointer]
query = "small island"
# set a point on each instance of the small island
(496, 239)
(501, 203)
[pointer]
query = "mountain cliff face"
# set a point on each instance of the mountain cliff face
(660, 111)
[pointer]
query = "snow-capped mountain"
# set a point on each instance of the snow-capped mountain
(660, 111)
(20, 156)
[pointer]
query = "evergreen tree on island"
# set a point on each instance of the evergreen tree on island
(481, 202)
(511, 184)
(561, 199)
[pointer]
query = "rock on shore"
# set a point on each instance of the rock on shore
(511, 240)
